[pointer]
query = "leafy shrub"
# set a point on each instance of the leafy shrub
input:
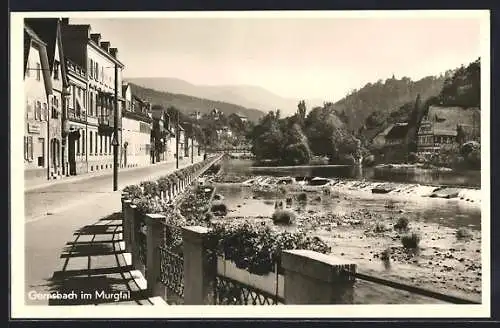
(283, 189)
(402, 224)
(258, 248)
(386, 255)
(302, 197)
(380, 227)
(151, 188)
(133, 191)
(463, 233)
(219, 209)
(163, 183)
(284, 217)
(297, 154)
(150, 205)
(410, 241)
(412, 158)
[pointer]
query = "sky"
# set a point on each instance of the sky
(293, 57)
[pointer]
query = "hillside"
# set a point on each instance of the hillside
(371, 108)
(248, 96)
(187, 104)
(463, 88)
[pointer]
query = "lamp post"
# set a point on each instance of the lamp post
(177, 136)
(65, 127)
(115, 141)
(192, 149)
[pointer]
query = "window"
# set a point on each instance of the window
(78, 146)
(105, 144)
(91, 66)
(91, 103)
(110, 150)
(56, 70)
(28, 148)
(41, 151)
(98, 104)
(45, 111)
(29, 110)
(90, 143)
(83, 142)
(96, 143)
(71, 97)
(38, 71)
(100, 144)
(102, 73)
(38, 111)
(97, 71)
(28, 68)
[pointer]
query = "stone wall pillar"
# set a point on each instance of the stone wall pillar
(155, 239)
(134, 226)
(196, 267)
(127, 223)
(315, 278)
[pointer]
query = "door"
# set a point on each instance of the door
(125, 156)
(71, 154)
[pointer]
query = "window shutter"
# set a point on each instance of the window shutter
(25, 147)
(30, 148)
(29, 110)
(35, 110)
(45, 111)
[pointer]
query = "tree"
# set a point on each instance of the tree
(413, 123)
(328, 136)
(301, 112)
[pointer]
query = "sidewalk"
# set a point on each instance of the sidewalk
(80, 248)
(97, 270)
(85, 176)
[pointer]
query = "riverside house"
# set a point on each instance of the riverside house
(446, 125)
(92, 121)
(49, 30)
(136, 130)
(37, 90)
(397, 134)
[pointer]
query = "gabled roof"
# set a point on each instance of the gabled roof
(46, 29)
(398, 131)
(31, 36)
(49, 30)
(445, 120)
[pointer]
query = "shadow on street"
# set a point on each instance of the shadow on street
(94, 270)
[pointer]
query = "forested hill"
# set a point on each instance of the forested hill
(188, 104)
(463, 88)
(380, 99)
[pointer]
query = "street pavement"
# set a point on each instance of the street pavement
(73, 229)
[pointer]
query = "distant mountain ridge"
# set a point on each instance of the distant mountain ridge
(248, 96)
(187, 104)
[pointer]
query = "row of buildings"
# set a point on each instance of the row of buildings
(72, 85)
(440, 126)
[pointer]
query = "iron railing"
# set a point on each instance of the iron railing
(172, 272)
(228, 291)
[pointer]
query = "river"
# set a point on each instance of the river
(435, 220)
(470, 179)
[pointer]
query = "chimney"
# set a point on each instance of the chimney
(113, 52)
(96, 37)
(105, 45)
